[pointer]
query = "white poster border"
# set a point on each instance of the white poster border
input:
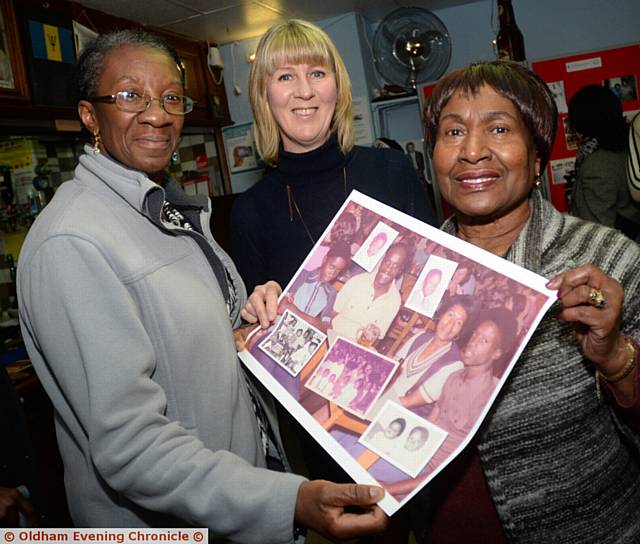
(532, 280)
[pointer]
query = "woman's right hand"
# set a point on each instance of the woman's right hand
(262, 305)
(322, 506)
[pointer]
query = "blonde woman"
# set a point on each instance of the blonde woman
(301, 99)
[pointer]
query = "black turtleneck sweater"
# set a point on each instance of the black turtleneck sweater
(268, 245)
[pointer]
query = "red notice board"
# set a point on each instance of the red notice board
(618, 68)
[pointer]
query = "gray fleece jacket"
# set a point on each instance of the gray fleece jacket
(128, 330)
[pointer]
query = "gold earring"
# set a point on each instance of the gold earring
(97, 141)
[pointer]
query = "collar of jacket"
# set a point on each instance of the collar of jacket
(135, 187)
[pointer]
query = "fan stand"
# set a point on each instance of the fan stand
(412, 50)
(413, 78)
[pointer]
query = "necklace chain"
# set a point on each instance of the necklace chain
(293, 205)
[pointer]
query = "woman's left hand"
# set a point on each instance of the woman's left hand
(597, 327)
(262, 304)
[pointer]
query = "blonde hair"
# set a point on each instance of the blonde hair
(296, 42)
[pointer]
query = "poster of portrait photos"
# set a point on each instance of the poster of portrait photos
(392, 341)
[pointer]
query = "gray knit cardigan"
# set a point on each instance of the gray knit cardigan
(560, 464)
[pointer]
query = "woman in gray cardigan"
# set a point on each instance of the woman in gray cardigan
(558, 459)
(558, 456)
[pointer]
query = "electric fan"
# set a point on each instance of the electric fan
(410, 46)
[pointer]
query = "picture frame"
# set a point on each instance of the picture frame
(13, 76)
(240, 147)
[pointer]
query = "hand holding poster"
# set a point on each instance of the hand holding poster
(391, 350)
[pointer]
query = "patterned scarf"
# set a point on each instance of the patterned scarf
(171, 215)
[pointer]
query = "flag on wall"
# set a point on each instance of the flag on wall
(51, 42)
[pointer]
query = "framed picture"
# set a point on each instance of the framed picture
(240, 146)
(625, 87)
(13, 78)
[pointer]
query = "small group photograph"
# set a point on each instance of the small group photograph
(292, 343)
(623, 87)
(403, 438)
(431, 285)
(570, 135)
(375, 246)
(351, 376)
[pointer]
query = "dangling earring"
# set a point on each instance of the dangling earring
(174, 157)
(538, 180)
(97, 141)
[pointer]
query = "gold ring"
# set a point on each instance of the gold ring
(597, 298)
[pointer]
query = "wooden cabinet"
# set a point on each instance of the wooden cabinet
(38, 412)
(13, 79)
(18, 103)
(211, 102)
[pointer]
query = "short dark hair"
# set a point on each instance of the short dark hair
(400, 421)
(340, 249)
(526, 90)
(90, 64)
(471, 305)
(408, 255)
(506, 322)
(596, 112)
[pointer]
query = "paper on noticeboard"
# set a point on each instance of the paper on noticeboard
(362, 123)
(353, 344)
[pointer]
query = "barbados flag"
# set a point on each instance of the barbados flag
(51, 42)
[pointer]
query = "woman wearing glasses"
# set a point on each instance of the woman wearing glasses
(127, 306)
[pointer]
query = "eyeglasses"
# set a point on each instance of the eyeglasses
(132, 102)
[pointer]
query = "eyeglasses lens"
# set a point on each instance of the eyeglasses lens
(175, 105)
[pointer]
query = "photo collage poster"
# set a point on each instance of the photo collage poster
(392, 341)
